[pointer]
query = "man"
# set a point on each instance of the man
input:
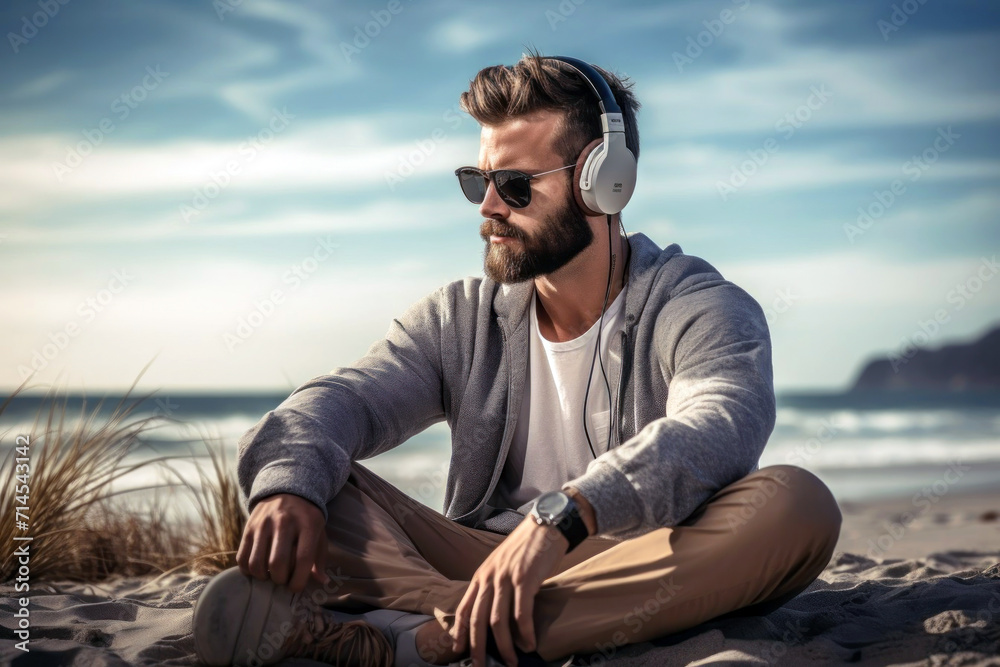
(588, 505)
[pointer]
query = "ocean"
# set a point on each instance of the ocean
(865, 446)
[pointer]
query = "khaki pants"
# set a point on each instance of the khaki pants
(756, 543)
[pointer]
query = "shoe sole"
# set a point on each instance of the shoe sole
(240, 620)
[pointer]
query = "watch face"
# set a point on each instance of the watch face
(552, 503)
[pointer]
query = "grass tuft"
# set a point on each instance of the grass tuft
(82, 527)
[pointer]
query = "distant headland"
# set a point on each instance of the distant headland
(952, 367)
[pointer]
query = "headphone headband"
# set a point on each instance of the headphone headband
(597, 82)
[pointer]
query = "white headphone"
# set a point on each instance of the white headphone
(607, 176)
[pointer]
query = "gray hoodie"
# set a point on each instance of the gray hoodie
(692, 390)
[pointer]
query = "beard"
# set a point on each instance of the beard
(561, 237)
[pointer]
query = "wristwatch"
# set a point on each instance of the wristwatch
(555, 508)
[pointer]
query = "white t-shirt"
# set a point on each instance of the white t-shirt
(549, 446)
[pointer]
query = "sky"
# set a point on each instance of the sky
(244, 194)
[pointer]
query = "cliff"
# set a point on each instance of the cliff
(954, 367)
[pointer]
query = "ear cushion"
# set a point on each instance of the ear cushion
(580, 161)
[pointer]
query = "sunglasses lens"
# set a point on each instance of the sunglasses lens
(473, 185)
(514, 188)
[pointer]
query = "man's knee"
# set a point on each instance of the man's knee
(794, 499)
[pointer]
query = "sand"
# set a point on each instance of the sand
(910, 584)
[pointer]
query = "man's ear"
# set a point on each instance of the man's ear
(584, 154)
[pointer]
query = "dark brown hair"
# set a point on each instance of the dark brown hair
(501, 92)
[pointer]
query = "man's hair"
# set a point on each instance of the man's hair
(501, 92)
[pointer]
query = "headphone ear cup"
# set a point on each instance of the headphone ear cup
(586, 154)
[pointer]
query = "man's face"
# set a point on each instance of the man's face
(541, 238)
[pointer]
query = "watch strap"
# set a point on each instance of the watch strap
(572, 526)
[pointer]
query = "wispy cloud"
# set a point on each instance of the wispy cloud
(236, 219)
(917, 84)
(41, 85)
(319, 156)
(461, 35)
(697, 169)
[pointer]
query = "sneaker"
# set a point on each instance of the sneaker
(241, 620)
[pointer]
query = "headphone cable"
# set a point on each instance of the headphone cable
(597, 347)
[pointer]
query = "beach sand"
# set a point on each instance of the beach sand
(910, 584)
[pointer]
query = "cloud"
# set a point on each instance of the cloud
(698, 169)
(316, 34)
(41, 85)
(924, 82)
(327, 319)
(244, 58)
(460, 35)
(948, 216)
(338, 155)
(325, 65)
(237, 219)
(852, 278)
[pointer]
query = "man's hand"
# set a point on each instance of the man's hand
(513, 573)
(284, 541)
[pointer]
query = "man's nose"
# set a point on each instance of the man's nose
(493, 206)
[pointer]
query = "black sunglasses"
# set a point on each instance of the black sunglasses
(514, 187)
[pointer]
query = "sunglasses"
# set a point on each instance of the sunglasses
(514, 187)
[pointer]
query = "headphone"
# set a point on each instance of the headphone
(608, 170)
(605, 172)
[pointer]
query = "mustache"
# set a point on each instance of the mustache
(492, 227)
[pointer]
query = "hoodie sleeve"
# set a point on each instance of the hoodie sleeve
(713, 346)
(306, 445)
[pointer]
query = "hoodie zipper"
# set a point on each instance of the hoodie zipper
(621, 386)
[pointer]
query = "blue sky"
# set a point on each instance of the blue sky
(250, 191)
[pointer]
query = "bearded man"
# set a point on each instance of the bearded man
(608, 402)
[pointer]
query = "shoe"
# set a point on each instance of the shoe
(241, 620)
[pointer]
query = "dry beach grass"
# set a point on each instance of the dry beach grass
(80, 529)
